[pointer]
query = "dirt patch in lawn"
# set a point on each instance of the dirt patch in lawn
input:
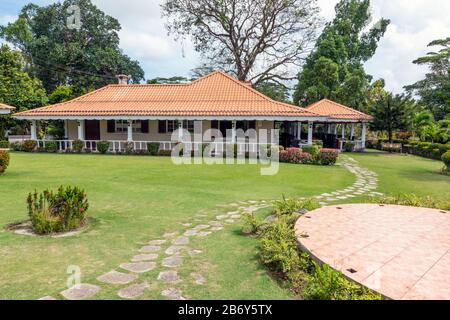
(25, 228)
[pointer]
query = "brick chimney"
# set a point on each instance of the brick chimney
(123, 79)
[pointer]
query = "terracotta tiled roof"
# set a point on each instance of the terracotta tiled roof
(5, 107)
(336, 111)
(216, 94)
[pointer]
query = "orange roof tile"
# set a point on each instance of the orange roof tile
(336, 111)
(216, 94)
(5, 107)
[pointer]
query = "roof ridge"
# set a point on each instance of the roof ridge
(345, 107)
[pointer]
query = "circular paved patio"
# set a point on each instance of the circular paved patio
(400, 252)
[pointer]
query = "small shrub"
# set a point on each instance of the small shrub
(296, 156)
(29, 145)
(165, 153)
(324, 283)
(62, 211)
(4, 144)
(51, 146)
(349, 146)
(327, 157)
(77, 146)
(446, 160)
(153, 148)
(4, 161)
(251, 223)
(289, 206)
(103, 147)
(129, 148)
(16, 146)
(412, 200)
(312, 150)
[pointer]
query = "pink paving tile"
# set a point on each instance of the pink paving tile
(401, 252)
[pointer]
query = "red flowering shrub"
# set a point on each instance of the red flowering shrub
(295, 155)
(327, 157)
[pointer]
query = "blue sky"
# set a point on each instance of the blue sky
(415, 23)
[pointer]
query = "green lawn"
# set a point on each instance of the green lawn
(136, 199)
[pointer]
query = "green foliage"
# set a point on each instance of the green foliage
(165, 153)
(16, 146)
(287, 207)
(87, 58)
(446, 159)
(4, 144)
(62, 211)
(296, 156)
(335, 69)
(312, 150)
(4, 161)
(252, 224)
(276, 91)
(412, 200)
(51, 146)
(171, 80)
(29, 145)
(327, 157)
(328, 284)
(434, 90)
(77, 146)
(103, 147)
(62, 93)
(153, 148)
(349, 146)
(129, 148)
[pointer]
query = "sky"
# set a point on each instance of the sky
(414, 24)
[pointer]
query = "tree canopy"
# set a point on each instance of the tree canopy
(335, 69)
(255, 40)
(434, 90)
(86, 58)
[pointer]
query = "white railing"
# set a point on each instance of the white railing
(116, 146)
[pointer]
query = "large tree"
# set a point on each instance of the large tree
(17, 88)
(434, 90)
(58, 53)
(256, 40)
(335, 69)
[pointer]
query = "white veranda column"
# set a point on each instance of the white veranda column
(363, 135)
(33, 129)
(233, 131)
(310, 133)
(352, 131)
(343, 131)
(335, 129)
(130, 131)
(329, 127)
(180, 130)
(66, 129)
(81, 129)
(299, 130)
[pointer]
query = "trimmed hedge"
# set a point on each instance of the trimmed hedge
(103, 147)
(446, 160)
(4, 144)
(418, 148)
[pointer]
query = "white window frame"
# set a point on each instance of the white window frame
(121, 126)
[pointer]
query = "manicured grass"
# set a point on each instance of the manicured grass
(134, 200)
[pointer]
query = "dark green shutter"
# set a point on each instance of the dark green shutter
(162, 126)
(144, 126)
(111, 126)
(214, 124)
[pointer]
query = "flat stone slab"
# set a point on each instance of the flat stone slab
(114, 277)
(133, 291)
(150, 249)
(400, 252)
(174, 250)
(47, 298)
(216, 228)
(222, 217)
(201, 227)
(180, 241)
(145, 257)
(173, 293)
(204, 233)
(138, 267)
(80, 292)
(172, 262)
(169, 276)
(157, 242)
(170, 234)
(190, 233)
(195, 252)
(198, 278)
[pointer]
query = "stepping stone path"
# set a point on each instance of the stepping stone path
(133, 291)
(138, 267)
(169, 276)
(80, 292)
(114, 277)
(174, 294)
(172, 262)
(174, 243)
(145, 257)
(198, 278)
(47, 298)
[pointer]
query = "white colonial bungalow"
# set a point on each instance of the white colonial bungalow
(138, 114)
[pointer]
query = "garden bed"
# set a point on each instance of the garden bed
(25, 228)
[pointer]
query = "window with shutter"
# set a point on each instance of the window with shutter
(111, 126)
(162, 126)
(144, 126)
